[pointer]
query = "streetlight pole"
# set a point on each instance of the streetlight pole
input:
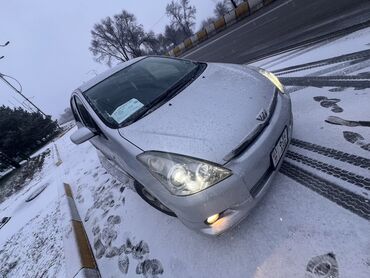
(5, 44)
(20, 93)
(15, 89)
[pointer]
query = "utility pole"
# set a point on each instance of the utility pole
(20, 93)
(2, 77)
(25, 105)
(5, 44)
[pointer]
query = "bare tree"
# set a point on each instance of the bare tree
(164, 44)
(206, 22)
(221, 8)
(156, 44)
(174, 35)
(182, 15)
(120, 38)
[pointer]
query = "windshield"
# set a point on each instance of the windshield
(135, 89)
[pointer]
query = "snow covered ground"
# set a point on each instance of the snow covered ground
(31, 242)
(313, 212)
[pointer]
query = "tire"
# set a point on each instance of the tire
(151, 200)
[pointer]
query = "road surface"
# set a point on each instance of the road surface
(279, 26)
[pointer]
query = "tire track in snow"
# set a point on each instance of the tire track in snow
(344, 175)
(338, 59)
(333, 153)
(341, 196)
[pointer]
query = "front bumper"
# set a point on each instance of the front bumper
(234, 197)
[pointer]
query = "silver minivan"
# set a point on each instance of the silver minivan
(202, 141)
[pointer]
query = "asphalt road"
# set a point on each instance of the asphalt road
(280, 26)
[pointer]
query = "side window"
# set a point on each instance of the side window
(85, 116)
(74, 110)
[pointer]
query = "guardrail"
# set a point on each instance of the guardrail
(243, 10)
(80, 261)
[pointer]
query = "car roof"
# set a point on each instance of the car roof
(100, 77)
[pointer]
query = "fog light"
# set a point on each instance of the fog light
(212, 219)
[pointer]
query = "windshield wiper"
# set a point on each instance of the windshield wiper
(150, 107)
(176, 87)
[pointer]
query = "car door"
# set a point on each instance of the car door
(83, 118)
(107, 145)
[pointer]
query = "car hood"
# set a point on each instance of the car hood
(209, 118)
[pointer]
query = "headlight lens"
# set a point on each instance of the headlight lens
(273, 78)
(182, 175)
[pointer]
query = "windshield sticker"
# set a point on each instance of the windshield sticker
(126, 110)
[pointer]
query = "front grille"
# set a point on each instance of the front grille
(255, 133)
(256, 189)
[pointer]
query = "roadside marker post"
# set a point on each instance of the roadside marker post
(80, 261)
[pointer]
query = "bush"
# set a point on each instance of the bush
(23, 132)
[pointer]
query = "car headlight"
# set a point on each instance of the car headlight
(182, 175)
(273, 78)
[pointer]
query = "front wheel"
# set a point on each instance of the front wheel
(151, 200)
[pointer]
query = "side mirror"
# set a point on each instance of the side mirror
(82, 135)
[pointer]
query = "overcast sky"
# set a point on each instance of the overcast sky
(49, 40)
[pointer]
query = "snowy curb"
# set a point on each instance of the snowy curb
(79, 257)
(243, 10)
(58, 159)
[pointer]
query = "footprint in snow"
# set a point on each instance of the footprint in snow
(80, 198)
(3, 221)
(329, 103)
(108, 235)
(322, 266)
(126, 247)
(96, 230)
(123, 263)
(88, 214)
(114, 182)
(140, 250)
(150, 268)
(114, 220)
(99, 248)
(356, 138)
(340, 121)
(111, 252)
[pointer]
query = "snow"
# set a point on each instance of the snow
(354, 42)
(290, 226)
(309, 118)
(35, 250)
(31, 242)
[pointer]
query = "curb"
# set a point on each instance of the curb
(78, 254)
(243, 10)
(59, 160)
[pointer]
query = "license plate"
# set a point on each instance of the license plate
(279, 148)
